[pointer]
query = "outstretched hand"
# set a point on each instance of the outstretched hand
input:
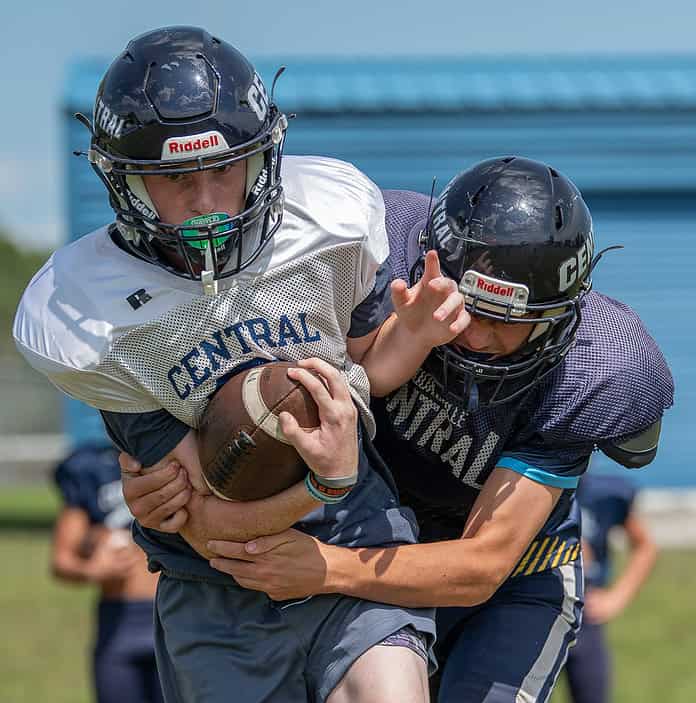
(433, 308)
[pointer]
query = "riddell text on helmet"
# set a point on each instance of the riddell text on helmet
(495, 288)
(198, 144)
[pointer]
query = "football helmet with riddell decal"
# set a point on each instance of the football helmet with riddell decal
(178, 100)
(517, 237)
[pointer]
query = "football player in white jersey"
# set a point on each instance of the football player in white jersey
(223, 256)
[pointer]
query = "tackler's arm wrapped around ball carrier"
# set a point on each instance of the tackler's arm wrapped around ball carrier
(281, 466)
(275, 442)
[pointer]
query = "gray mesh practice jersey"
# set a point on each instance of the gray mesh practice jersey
(172, 349)
(611, 385)
(75, 322)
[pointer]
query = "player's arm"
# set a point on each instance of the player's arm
(331, 451)
(428, 314)
(604, 604)
(161, 497)
(70, 532)
(76, 556)
(508, 514)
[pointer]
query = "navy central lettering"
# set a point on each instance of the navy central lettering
(217, 354)
(421, 415)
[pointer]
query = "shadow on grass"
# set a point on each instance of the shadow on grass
(18, 524)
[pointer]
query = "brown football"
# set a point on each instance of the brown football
(243, 452)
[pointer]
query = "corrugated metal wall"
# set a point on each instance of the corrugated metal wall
(601, 152)
(637, 168)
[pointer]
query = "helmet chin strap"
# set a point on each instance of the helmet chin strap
(210, 284)
(254, 166)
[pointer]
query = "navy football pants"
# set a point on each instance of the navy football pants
(124, 655)
(513, 646)
(588, 669)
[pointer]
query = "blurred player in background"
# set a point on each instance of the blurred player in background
(607, 503)
(489, 439)
(92, 544)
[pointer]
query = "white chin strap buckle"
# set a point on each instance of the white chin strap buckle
(210, 284)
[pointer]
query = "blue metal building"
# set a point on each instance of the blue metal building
(623, 129)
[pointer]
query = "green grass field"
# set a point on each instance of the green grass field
(47, 626)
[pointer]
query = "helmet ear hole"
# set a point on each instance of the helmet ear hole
(558, 217)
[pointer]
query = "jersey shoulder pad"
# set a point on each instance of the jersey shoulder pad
(71, 312)
(636, 451)
(406, 214)
(338, 197)
(56, 318)
(613, 384)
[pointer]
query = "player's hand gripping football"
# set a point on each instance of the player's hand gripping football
(433, 308)
(330, 450)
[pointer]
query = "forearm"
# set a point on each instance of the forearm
(72, 569)
(214, 518)
(394, 357)
(635, 573)
(453, 573)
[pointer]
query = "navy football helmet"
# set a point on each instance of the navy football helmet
(178, 100)
(517, 237)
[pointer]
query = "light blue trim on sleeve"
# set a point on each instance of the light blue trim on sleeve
(536, 474)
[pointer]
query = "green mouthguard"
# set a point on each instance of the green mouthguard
(203, 221)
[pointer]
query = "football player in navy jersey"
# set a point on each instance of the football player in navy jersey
(92, 544)
(224, 254)
(607, 502)
(488, 441)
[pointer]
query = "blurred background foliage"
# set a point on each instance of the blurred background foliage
(17, 266)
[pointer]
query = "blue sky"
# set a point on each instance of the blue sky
(39, 38)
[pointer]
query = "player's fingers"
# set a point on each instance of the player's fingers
(137, 487)
(432, 267)
(453, 302)
(334, 380)
(175, 522)
(229, 550)
(304, 441)
(129, 464)
(399, 293)
(261, 545)
(317, 386)
(461, 321)
(321, 388)
(291, 429)
(140, 486)
(164, 502)
(164, 513)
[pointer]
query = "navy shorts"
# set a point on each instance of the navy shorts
(512, 647)
(588, 669)
(218, 643)
(124, 653)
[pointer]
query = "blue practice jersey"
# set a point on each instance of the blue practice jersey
(90, 479)
(605, 502)
(613, 384)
